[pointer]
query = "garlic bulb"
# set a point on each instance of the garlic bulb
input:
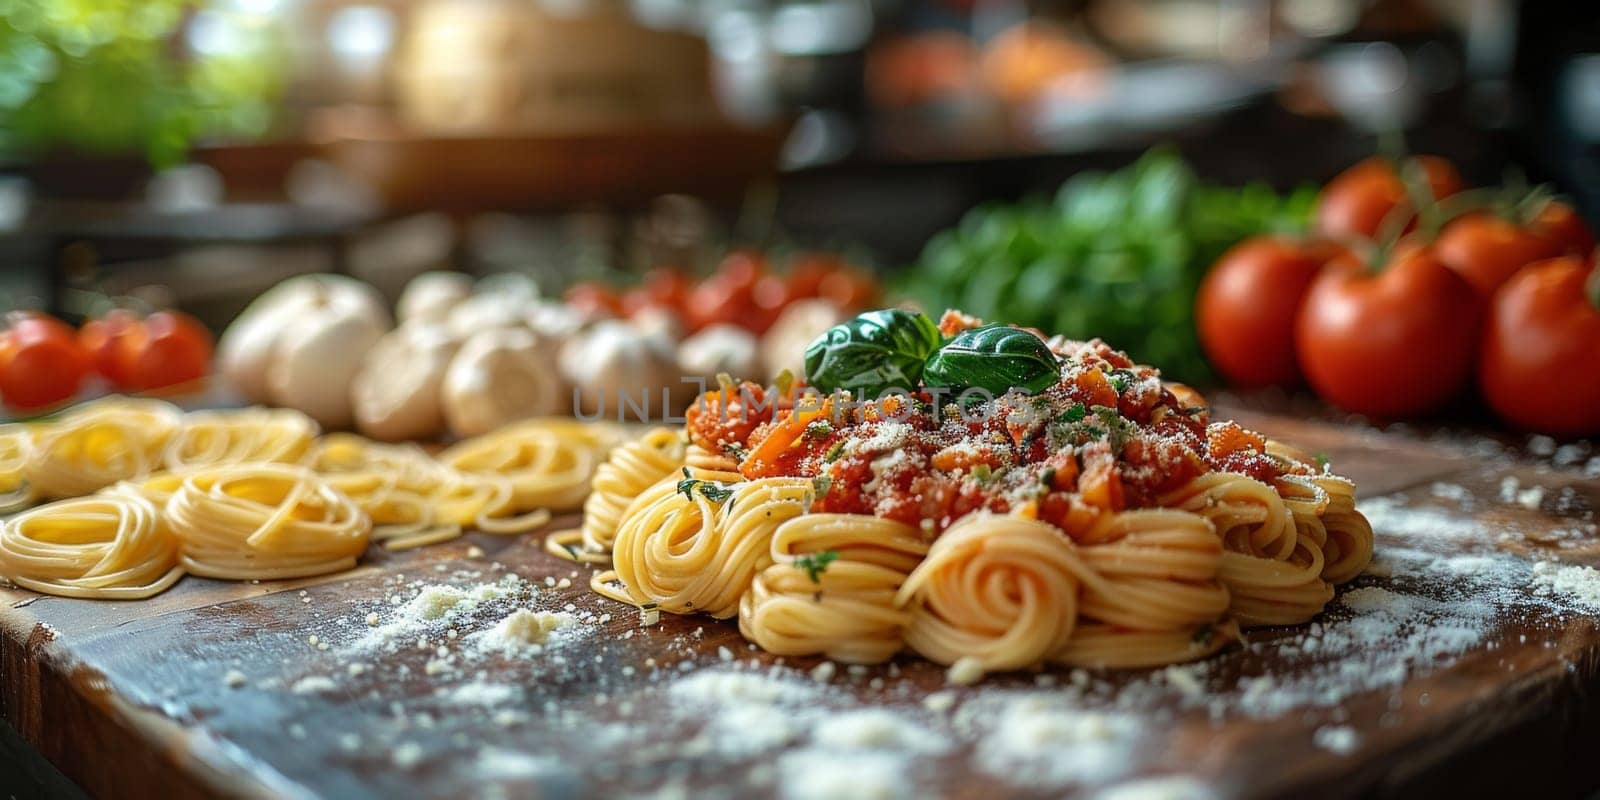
(246, 348)
(784, 345)
(431, 295)
(720, 348)
(397, 393)
(315, 359)
(499, 376)
(613, 359)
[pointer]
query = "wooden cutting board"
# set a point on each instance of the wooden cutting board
(1454, 671)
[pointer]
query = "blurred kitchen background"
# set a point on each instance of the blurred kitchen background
(195, 153)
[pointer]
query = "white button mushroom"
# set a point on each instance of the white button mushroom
(499, 376)
(246, 348)
(398, 392)
(612, 361)
(784, 345)
(431, 295)
(721, 348)
(315, 361)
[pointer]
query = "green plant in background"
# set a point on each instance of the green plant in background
(1117, 255)
(112, 77)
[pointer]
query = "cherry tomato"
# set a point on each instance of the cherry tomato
(169, 348)
(41, 362)
(1559, 224)
(741, 269)
(594, 299)
(849, 288)
(102, 340)
(716, 301)
(1246, 308)
(770, 294)
(1389, 344)
(1355, 203)
(1540, 368)
(668, 287)
(1487, 250)
(807, 272)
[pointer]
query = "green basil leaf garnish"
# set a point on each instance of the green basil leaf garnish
(874, 352)
(995, 358)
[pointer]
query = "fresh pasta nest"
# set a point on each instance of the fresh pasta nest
(247, 494)
(1098, 517)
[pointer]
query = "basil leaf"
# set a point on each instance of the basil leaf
(995, 358)
(876, 351)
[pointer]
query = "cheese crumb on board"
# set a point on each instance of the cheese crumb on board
(523, 631)
(1167, 787)
(313, 684)
(1340, 739)
(965, 672)
(1572, 581)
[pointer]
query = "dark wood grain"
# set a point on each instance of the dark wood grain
(129, 699)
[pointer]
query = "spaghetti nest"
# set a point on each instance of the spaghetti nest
(1099, 523)
(107, 547)
(264, 522)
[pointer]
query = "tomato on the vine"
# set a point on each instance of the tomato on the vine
(1559, 224)
(1246, 308)
(41, 362)
(1388, 344)
(665, 287)
(102, 340)
(1357, 201)
(594, 299)
(1540, 367)
(165, 349)
(1487, 249)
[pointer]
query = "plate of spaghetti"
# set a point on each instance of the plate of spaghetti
(982, 496)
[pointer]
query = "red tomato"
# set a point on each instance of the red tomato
(102, 339)
(1488, 250)
(770, 294)
(849, 288)
(168, 349)
(1354, 204)
(668, 287)
(594, 299)
(1389, 344)
(1540, 368)
(1246, 308)
(716, 301)
(1559, 224)
(808, 271)
(41, 362)
(742, 269)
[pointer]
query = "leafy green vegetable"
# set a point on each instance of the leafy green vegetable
(995, 358)
(874, 352)
(815, 564)
(1117, 255)
(710, 490)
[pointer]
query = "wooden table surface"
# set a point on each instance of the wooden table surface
(215, 689)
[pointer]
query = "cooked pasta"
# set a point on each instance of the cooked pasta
(549, 462)
(235, 436)
(104, 547)
(16, 441)
(265, 521)
(412, 498)
(1099, 522)
(831, 589)
(99, 443)
(631, 468)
